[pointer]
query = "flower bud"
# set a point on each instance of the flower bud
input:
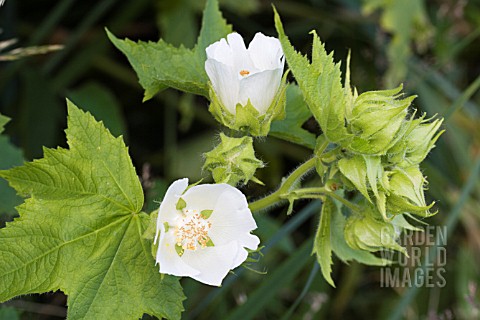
(414, 147)
(376, 119)
(246, 90)
(232, 161)
(406, 194)
(368, 231)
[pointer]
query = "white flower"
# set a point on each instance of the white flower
(238, 74)
(203, 232)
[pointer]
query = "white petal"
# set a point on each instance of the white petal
(260, 88)
(266, 52)
(168, 208)
(170, 262)
(225, 82)
(214, 263)
(205, 196)
(221, 52)
(241, 57)
(232, 220)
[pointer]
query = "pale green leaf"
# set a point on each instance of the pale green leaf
(80, 231)
(322, 244)
(159, 65)
(320, 82)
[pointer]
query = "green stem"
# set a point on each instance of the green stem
(321, 194)
(284, 188)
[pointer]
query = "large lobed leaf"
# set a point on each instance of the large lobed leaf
(320, 82)
(160, 65)
(80, 231)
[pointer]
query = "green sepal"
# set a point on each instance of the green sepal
(210, 243)
(247, 119)
(181, 204)
(166, 226)
(206, 214)
(355, 170)
(179, 250)
(232, 161)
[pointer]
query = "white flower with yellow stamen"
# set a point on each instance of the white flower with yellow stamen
(246, 80)
(203, 232)
(238, 74)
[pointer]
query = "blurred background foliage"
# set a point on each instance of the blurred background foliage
(432, 46)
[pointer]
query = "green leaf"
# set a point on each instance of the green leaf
(322, 244)
(160, 65)
(80, 231)
(320, 82)
(290, 128)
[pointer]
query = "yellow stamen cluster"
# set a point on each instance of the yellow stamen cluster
(244, 73)
(192, 231)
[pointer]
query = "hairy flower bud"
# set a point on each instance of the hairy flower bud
(232, 161)
(368, 231)
(376, 119)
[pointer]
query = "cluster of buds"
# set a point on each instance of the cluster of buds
(380, 158)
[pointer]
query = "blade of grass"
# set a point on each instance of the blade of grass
(463, 99)
(280, 278)
(80, 62)
(299, 299)
(91, 18)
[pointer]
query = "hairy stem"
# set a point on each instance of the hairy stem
(284, 188)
